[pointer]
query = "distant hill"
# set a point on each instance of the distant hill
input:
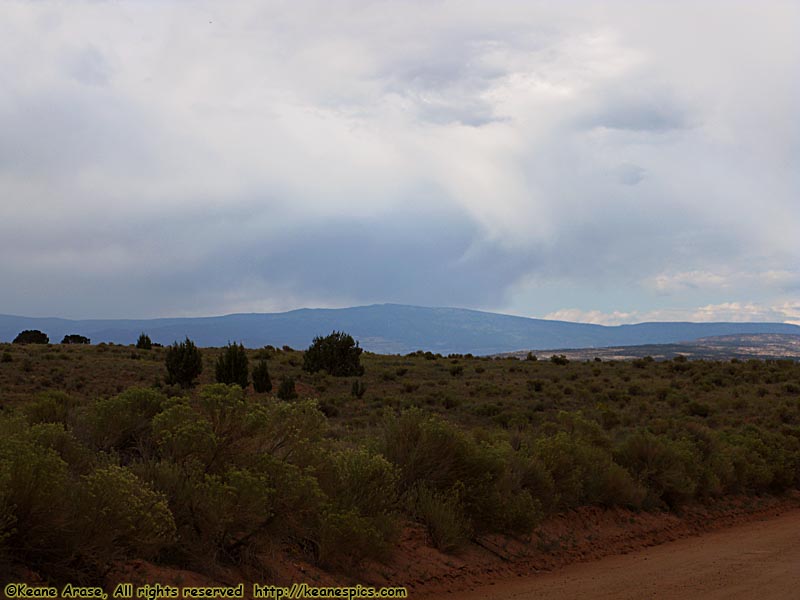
(388, 329)
(722, 347)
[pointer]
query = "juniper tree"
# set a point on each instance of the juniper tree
(261, 379)
(184, 363)
(31, 336)
(232, 366)
(337, 353)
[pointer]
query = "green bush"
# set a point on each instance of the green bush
(358, 388)
(51, 406)
(583, 473)
(120, 516)
(347, 538)
(79, 458)
(337, 353)
(533, 477)
(438, 456)
(184, 436)
(75, 338)
(428, 450)
(235, 506)
(234, 473)
(184, 363)
(232, 366)
(663, 466)
(442, 513)
(359, 480)
(261, 380)
(123, 422)
(286, 390)
(34, 496)
(763, 461)
(360, 521)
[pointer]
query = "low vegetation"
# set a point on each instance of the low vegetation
(109, 453)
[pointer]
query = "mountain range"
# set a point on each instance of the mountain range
(387, 329)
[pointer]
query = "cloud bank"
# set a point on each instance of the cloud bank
(624, 159)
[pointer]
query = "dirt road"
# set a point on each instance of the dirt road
(757, 560)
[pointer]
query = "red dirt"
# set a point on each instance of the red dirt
(578, 536)
(759, 559)
(546, 563)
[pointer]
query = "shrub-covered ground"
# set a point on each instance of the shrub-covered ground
(101, 461)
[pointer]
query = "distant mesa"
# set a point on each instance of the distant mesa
(390, 329)
(722, 347)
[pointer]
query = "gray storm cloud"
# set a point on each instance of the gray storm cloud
(202, 158)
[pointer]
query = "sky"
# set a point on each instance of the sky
(604, 162)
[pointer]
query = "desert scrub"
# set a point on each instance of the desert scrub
(662, 465)
(120, 517)
(51, 406)
(122, 423)
(442, 513)
(360, 520)
(286, 389)
(439, 457)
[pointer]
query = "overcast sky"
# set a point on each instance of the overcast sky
(594, 161)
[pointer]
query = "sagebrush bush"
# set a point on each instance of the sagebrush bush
(358, 388)
(763, 460)
(123, 422)
(51, 406)
(244, 474)
(357, 479)
(286, 389)
(442, 513)
(585, 473)
(436, 455)
(234, 473)
(346, 538)
(119, 516)
(663, 466)
(429, 450)
(34, 496)
(184, 436)
(78, 457)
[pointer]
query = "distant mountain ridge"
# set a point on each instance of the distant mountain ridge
(388, 329)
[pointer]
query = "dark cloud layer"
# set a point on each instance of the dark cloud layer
(605, 159)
